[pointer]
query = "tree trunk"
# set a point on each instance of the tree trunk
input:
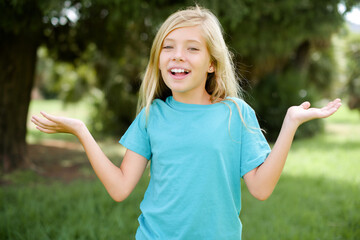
(17, 64)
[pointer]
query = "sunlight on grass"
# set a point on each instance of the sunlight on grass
(317, 196)
(333, 155)
(345, 115)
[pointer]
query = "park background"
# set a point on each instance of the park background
(85, 59)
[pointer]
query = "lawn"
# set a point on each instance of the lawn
(317, 197)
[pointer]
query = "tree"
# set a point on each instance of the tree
(67, 28)
(24, 26)
(120, 32)
(19, 40)
(288, 42)
(285, 51)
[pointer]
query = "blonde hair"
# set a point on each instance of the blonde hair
(220, 84)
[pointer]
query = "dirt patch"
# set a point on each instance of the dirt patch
(55, 160)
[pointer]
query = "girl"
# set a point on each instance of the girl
(200, 136)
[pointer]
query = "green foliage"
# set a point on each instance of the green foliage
(272, 30)
(106, 44)
(353, 70)
(300, 80)
(68, 81)
(273, 97)
(113, 38)
(323, 70)
(286, 54)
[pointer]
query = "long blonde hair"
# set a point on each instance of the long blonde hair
(220, 84)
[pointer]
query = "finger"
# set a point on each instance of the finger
(43, 122)
(305, 105)
(337, 103)
(42, 126)
(334, 105)
(54, 128)
(50, 117)
(331, 108)
(45, 130)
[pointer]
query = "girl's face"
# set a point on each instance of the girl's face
(185, 62)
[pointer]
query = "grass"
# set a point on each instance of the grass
(317, 196)
(79, 210)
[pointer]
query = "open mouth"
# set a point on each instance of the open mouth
(179, 72)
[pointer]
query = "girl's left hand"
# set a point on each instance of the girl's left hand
(303, 113)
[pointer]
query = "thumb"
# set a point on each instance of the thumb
(305, 105)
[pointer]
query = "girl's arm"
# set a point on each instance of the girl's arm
(119, 182)
(262, 180)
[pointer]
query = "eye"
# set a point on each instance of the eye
(193, 49)
(167, 47)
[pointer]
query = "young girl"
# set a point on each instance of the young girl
(200, 136)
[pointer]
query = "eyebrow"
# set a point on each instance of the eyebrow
(189, 40)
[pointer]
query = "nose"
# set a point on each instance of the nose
(178, 55)
(177, 59)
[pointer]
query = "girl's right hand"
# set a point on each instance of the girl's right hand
(54, 124)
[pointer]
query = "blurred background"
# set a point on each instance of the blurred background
(85, 59)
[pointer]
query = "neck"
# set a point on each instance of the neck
(202, 99)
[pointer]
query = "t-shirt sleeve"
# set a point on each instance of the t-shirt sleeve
(136, 138)
(254, 147)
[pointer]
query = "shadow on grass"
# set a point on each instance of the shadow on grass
(53, 160)
(58, 160)
(304, 208)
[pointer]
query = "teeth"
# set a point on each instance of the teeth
(178, 70)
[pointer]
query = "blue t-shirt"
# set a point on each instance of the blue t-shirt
(198, 155)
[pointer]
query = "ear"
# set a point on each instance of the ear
(211, 68)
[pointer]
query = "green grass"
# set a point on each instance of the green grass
(79, 210)
(317, 197)
(318, 194)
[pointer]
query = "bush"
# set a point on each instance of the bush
(276, 93)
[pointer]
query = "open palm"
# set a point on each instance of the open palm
(304, 113)
(53, 124)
